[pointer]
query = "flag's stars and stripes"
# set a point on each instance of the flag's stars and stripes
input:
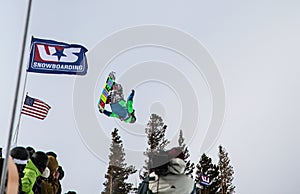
(35, 108)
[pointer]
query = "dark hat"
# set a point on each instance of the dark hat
(176, 152)
(39, 159)
(30, 150)
(19, 153)
(158, 158)
(71, 192)
(50, 153)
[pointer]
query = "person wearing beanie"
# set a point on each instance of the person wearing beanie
(33, 169)
(173, 180)
(59, 170)
(20, 153)
(20, 157)
(51, 185)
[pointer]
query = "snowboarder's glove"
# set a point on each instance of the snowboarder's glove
(130, 97)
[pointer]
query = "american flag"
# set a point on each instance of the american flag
(35, 108)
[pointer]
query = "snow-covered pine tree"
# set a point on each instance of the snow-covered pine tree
(155, 131)
(226, 173)
(207, 168)
(118, 171)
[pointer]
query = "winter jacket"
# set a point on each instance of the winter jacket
(175, 182)
(51, 185)
(31, 172)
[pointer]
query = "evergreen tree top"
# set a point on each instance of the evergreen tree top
(118, 171)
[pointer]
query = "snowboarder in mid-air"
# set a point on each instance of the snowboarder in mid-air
(120, 108)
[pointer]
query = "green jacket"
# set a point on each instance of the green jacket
(31, 172)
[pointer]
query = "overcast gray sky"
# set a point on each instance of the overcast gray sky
(253, 44)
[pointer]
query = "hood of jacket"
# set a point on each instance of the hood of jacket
(175, 182)
(176, 166)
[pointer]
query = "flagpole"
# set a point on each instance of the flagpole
(16, 135)
(4, 169)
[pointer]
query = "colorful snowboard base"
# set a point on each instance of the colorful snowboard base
(105, 92)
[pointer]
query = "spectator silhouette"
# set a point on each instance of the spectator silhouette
(51, 185)
(20, 157)
(33, 169)
(60, 171)
(167, 173)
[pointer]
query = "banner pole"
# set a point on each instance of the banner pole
(16, 135)
(4, 169)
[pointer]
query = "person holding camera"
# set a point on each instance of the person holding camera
(167, 173)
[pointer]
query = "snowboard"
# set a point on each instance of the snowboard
(105, 92)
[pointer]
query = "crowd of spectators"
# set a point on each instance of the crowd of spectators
(37, 172)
